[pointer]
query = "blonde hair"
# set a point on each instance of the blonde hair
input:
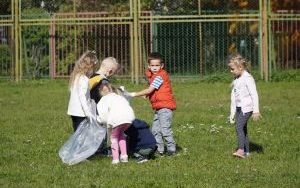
(110, 62)
(84, 65)
(239, 60)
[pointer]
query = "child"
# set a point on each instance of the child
(162, 101)
(140, 141)
(108, 67)
(79, 106)
(244, 101)
(115, 111)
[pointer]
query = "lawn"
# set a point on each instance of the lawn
(34, 125)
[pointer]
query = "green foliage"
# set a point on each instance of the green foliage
(285, 75)
(34, 13)
(35, 50)
(5, 7)
(34, 125)
(5, 60)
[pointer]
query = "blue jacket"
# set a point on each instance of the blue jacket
(139, 136)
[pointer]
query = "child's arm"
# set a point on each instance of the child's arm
(102, 108)
(82, 88)
(232, 108)
(144, 92)
(253, 93)
(156, 83)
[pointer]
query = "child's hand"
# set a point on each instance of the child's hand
(122, 88)
(256, 116)
(132, 94)
(231, 119)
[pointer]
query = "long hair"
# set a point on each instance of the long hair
(83, 66)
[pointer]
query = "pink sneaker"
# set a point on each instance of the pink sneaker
(239, 153)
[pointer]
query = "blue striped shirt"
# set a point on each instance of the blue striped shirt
(157, 82)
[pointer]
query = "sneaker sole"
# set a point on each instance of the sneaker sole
(238, 155)
(145, 160)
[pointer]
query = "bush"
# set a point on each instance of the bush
(285, 75)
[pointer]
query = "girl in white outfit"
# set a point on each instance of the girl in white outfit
(79, 103)
(116, 112)
(244, 102)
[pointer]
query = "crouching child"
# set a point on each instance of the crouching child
(140, 141)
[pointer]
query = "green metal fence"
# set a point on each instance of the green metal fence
(43, 38)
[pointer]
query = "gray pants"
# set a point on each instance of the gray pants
(241, 129)
(161, 129)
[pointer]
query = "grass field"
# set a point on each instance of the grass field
(34, 125)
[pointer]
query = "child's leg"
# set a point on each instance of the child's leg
(246, 148)
(156, 131)
(114, 138)
(122, 139)
(165, 120)
(241, 123)
(76, 121)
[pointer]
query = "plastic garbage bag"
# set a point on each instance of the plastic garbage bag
(84, 142)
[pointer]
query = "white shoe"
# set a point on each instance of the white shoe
(124, 158)
(115, 161)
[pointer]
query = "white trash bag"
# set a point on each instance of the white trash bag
(84, 142)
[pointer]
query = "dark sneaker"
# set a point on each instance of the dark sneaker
(161, 154)
(142, 159)
(171, 153)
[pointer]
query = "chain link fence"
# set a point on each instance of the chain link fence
(195, 36)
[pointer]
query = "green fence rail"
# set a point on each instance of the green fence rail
(43, 38)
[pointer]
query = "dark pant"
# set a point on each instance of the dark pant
(76, 121)
(241, 129)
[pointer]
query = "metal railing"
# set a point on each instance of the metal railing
(43, 38)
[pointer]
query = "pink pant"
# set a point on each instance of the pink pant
(118, 139)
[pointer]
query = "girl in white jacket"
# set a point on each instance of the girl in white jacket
(244, 102)
(79, 103)
(116, 112)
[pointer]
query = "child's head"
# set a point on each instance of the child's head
(155, 62)
(109, 66)
(237, 64)
(84, 65)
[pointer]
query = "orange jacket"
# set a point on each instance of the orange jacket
(163, 96)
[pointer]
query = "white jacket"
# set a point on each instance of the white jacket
(79, 103)
(244, 94)
(114, 110)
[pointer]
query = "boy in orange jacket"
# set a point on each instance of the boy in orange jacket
(162, 101)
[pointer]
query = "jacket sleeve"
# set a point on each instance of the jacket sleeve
(102, 108)
(250, 83)
(232, 104)
(84, 101)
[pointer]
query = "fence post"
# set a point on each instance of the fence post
(17, 40)
(264, 39)
(52, 49)
(200, 42)
(136, 41)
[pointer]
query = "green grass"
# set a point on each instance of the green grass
(34, 125)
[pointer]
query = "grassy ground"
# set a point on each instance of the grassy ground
(34, 125)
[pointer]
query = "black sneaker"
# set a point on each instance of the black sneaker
(171, 153)
(161, 154)
(142, 159)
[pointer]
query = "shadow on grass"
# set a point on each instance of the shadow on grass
(178, 149)
(254, 147)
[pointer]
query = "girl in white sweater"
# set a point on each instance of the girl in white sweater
(116, 112)
(244, 102)
(79, 103)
